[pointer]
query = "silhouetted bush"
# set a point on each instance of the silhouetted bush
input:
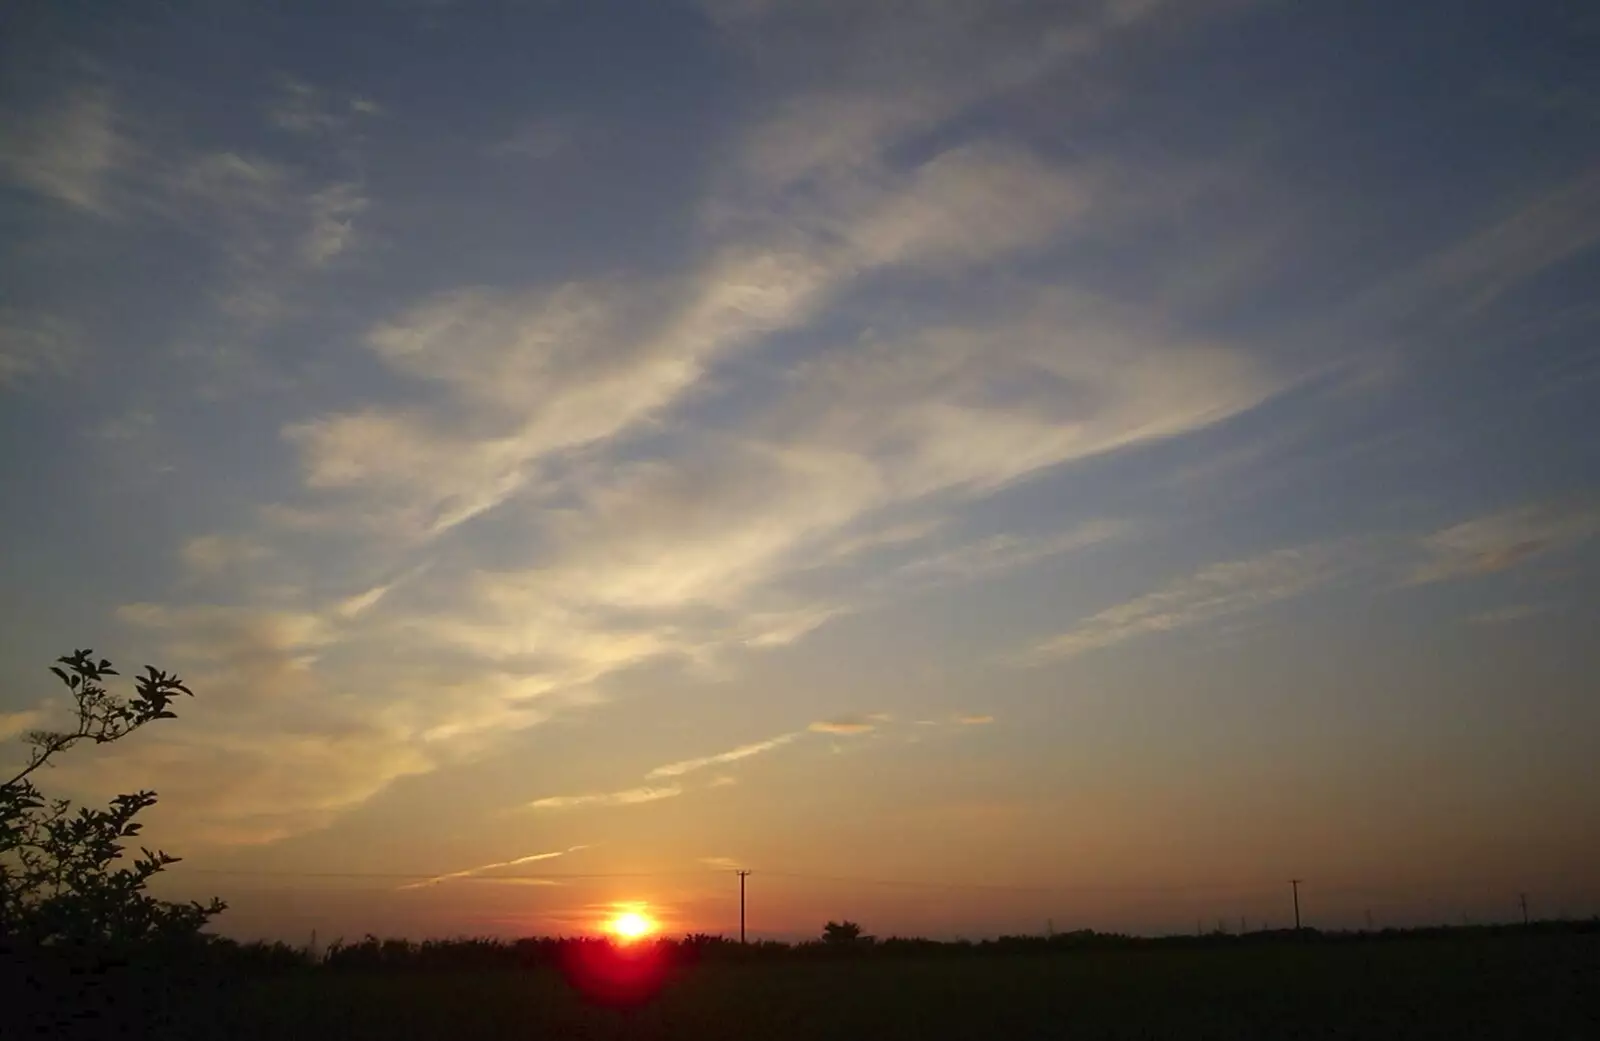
(81, 941)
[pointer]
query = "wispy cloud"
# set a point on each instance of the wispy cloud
(797, 383)
(625, 797)
(536, 140)
(968, 204)
(273, 222)
(1504, 540)
(13, 724)
(258, 770)
(1473, 548)
(218, 630)
(210, 556)
(270, 223)
(291, 746)
(65, 151)
(885, 78)
(1534, 236)
(481, 868)
(333, 213)
(550, 371)
(34, 345)
(1214, 593)
(1509, 615)
(538, 407)
(304, 108)
(700, 545)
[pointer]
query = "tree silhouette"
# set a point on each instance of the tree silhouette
(59, 883)
(841, 934)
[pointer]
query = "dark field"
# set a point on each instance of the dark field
(1501, 987)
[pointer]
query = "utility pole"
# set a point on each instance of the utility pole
(1522, 898)
(742, 875)
(1295, 882)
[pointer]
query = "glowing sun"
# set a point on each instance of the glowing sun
(631, 925)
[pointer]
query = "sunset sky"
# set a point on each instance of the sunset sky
(975, 464)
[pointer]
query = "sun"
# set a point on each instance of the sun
(631, 925)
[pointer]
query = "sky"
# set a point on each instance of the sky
(981, 466)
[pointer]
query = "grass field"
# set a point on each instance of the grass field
(1505, 987)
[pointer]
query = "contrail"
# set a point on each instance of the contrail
(530, 858)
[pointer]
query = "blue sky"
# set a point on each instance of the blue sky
(1076, 445)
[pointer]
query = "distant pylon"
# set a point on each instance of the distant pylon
(743, 874)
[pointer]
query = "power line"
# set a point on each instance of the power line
(803, 876)
(1011, 888)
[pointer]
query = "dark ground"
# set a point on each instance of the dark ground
(1524, 987)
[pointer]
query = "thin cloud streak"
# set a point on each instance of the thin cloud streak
(1541, 233)
(846, 726)
(849, 725)
(625, 797)
(1471, 549)
(687, 766)
(1213, 593)
(1509, 615)
(999, 554)
(480, 869)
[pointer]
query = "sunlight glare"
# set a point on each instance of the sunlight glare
(630, 926)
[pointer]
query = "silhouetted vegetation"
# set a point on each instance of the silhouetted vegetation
(77, 926)
(1488, 981)
(375, 954)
